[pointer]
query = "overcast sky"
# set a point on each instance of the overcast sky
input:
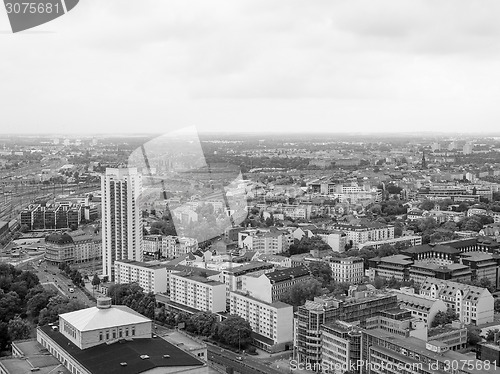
(118, 66)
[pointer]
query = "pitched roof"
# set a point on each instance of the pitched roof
(95, 318)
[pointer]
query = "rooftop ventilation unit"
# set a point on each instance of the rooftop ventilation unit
(123, 364)
(166, 356)
(143, 357)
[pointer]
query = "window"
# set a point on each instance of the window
(107, 335)
(133, 331)
(100, 335)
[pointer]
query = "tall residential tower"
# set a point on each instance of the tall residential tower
(121, 218)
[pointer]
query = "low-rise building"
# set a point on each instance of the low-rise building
(407, 241)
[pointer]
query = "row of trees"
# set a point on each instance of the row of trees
(132, 295)
(73, 274)
(234, 331)
(25, 303)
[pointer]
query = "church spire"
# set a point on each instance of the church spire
(424, 163)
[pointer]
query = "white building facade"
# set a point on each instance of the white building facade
(121, 218)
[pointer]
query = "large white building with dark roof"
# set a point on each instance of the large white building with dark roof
(113, 339)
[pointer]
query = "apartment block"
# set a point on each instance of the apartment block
(367, 232)
(233, 277)
(198, 292)
(474, 305)
(272, 323)
(151, 276)
(264, 241)
(347, 270)
(175, 246)
(273, 286)
(152, 245)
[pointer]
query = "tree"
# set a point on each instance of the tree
(427, 205)
(38, 301)
(321, 271)
(472, 224)
(450, 226)
(24, 228)
(96, 281)
(10, 305)
(58, 305)
(234, 331)
(302, 291)
(202, 323)
(18, 329)
(443, 318)
(473, 337)
(379, 282)
(4, 336)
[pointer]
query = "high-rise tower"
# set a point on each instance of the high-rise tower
(121, 218)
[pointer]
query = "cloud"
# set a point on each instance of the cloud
(119, 65)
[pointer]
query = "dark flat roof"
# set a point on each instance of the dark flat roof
(106, 359)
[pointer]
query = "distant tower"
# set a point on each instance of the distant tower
(424, 163)
(121, 218)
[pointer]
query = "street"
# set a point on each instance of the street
(247, 365)
(50, 274)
